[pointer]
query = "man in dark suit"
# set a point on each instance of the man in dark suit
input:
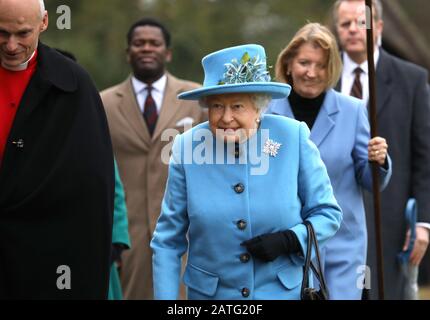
(56, 167)
(403, 113)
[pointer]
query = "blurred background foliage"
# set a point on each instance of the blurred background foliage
(97, 34)
(98, 29)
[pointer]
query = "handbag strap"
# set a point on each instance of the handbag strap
(317, 270)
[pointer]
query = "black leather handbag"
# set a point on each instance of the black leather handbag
(306, 292)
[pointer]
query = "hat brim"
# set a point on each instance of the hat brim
(274, 89)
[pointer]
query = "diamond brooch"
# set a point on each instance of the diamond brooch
(271, 148)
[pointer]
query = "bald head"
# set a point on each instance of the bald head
(27, 7)
(42, 8)
(21, 22)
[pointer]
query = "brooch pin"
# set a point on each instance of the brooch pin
(271, 148)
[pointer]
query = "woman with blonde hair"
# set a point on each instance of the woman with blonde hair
(311, 64)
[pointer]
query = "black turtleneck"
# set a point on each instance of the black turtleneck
(305, 109)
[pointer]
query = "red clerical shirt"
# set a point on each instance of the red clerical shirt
(12, 88)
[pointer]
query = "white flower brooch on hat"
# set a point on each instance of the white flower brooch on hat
(271, 147)
(247, 70)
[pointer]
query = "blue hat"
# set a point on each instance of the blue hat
(240, 69)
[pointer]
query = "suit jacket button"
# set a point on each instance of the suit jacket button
(244, 257)
(239, 188)
(241, 224)
(245, 292)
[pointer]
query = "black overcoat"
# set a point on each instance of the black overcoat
(57, 188)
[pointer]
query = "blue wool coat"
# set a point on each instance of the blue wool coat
(341, 133)
(210, 209)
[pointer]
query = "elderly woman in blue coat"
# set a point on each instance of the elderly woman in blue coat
(239, 188)
(340, 129)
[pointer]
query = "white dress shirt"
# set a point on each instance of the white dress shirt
(157, 92)
(348, 75)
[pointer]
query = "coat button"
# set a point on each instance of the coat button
(239, 188)
(19, 144)
(241, 224)
(236, 151)
(245, 292)
(244, 257)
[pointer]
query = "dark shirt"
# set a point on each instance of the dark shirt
(305, 109)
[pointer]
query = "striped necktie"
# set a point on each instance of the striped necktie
(357, 88)
(150, 111)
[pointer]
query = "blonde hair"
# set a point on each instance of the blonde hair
(318, 35)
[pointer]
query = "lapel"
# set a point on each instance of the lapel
(324, 122)
(383, 80)
(128, 107)
(338, 86)
(170, 106)
(282, 107)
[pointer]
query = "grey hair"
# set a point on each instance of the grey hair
(261, 101)
(377, 8)
(42, 8)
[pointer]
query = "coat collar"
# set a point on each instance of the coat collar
(325, 120)
(171, 104)
(131, 111)
(51, 70)
(383, 80)
(54, 71)
(128, 106)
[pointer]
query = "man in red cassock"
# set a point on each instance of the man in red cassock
(56, 167)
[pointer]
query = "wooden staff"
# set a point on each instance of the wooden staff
(373, 132)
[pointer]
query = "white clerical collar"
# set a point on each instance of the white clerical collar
(21, 67)
(349, 65)
(158, 85)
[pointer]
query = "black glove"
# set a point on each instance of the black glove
(269, 246)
